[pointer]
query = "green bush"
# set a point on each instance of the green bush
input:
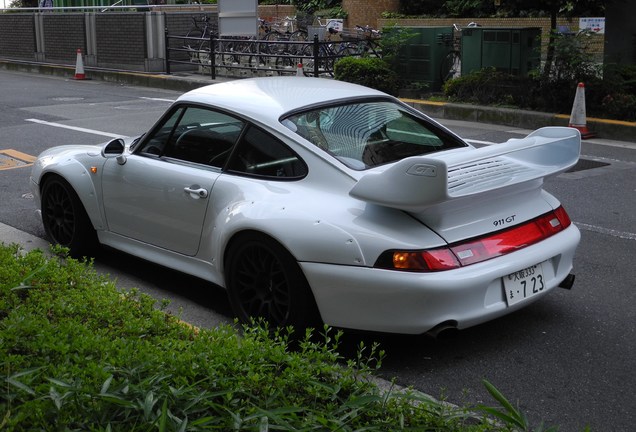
(612, 97)
(368, 71)
(490, 87)
(77, 354)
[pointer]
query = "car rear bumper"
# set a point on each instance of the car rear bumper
(413, 303)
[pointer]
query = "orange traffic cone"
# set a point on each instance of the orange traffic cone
(299, 70)
(79, 66)
(578, 118)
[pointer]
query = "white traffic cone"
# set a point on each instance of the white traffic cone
(578, 118)
(299, 70)
(79, 66)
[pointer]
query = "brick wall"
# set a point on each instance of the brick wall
(365, 12)
(63, 35)
(17, 36)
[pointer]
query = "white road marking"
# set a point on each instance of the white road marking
(75, 128)
(607, 231)
(479, 142)
(158, 99)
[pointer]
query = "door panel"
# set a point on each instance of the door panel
(146, 199)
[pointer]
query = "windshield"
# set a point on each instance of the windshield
(369, 134)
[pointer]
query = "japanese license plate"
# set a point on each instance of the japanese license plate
(523, 284)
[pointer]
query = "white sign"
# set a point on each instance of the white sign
(596, 25)
(238, 17)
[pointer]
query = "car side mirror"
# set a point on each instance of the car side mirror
(115, 148)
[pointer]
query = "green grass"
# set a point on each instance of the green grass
(77, 354)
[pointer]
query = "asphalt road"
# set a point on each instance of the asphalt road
(568, 359)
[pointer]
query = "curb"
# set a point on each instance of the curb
(607, 129)
(522, 119)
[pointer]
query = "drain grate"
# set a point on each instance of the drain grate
(586, 164)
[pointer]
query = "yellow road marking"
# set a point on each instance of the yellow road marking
(10, 159)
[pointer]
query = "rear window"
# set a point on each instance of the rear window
(369, 134)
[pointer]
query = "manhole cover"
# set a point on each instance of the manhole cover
(586, 164)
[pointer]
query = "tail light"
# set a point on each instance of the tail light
(478, 249)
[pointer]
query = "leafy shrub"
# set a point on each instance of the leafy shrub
(490, 87)
(368, 71)
(77, 354)
(612, 97)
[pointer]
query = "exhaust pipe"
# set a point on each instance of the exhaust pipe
(567, 282)
(446, 327)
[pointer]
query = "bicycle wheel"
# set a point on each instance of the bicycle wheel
(324, 61)
(286, 65)
(348, 49)
(269, 45)
(450, 67)
(191, 42)
(295, 37)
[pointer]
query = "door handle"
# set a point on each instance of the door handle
(196, 192)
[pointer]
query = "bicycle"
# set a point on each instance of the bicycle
(364, 42)
(329, 49)
(450, 66)
(285, 30)
(199, 35)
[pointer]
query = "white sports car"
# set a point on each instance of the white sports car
(316, 200)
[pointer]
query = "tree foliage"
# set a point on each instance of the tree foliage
(509, 8)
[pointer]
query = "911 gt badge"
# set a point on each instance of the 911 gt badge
(423, 170)
(504, 221)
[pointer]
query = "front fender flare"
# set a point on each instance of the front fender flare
(81, 179)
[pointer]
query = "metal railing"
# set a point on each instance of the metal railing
(245, 57)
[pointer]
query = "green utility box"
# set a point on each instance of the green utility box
(420, 58)
(515, 51)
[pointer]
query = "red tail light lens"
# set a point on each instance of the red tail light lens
(478, 249)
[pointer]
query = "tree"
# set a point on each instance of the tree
(554, 8)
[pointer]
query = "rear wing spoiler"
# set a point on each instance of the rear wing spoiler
(419, 182)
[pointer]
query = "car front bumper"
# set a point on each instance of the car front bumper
(414, 303)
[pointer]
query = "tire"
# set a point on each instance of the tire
(269, 45)
(450, 67)
(264, 281)
(297, 36)
(65, 220)
(325, 62)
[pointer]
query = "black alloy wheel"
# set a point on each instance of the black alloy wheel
(264, 281)
(65, 220)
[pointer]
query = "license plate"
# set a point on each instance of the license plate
(523, 284)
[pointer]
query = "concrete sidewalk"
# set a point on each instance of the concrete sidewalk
(522, 119)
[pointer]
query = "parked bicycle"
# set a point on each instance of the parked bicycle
(362, 42)
(197, 40)
(285, 30)
(450, 67)
(329, 48)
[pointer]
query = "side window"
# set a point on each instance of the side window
(261, 154)
(195, 134)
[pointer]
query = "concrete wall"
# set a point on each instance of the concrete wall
(17, 36)
(120, 40)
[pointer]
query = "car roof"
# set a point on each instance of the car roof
(266, 99)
